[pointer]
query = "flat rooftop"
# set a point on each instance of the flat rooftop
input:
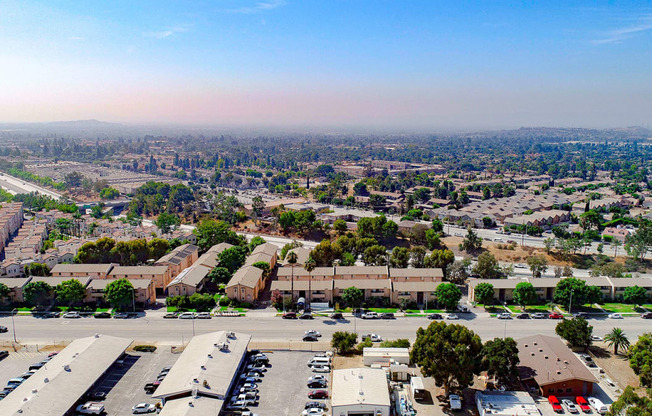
(509, 403)
(360, 386)
(203, 368)
(58, 385)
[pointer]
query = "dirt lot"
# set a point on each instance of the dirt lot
(349, 361)
(616, 366)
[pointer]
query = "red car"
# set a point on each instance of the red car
(556, 316)
(583, 404)
(554, 402)
(318, 394)
(289, 315)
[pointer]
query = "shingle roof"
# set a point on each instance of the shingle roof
(82, 268)
(363, 283)
(137, 270)
(344, 270)
(434, 272)
(191, 276)
(248, 276)
(101, 284)
(177, 255)
(548, 360)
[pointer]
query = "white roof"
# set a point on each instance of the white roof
(201, 361)
(389, 352)
(356, 386)
(507, 403)
(86, 360)
(197, 405)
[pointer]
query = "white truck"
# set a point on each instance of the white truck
(91, 408)
(455, 402)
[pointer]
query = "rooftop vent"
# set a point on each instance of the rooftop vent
(540, 349)
(194, 380)
(532, 354)
(66, 367)
(525, 345)
(46, 380)
(535, 343)
(210, 355)
(97, 335)
(545, 356)
(203, 367)
(558, 372)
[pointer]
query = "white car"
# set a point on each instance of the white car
(370, 315)
(143, 408)
(570, 406)
(321, 369)
(187, 315)
(203, 315)
(373, 337)
(615, 316)
(597, 404)
(313, 333)
(71, 315)
(504, 315)
(452, 317)
(313, 411)
(316, 377)
(596, 338)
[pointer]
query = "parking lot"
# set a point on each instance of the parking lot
(124, 383)
(17, 363)
(283, 389)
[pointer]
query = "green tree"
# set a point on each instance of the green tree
(343, 342)
(640, 359)
(484, 293)
(255, 242)
(257, 207)
(487, 266)
(451, 354)
(437, 225)
(458, 271)
(119, 293)
(264, 266)
(4, 292)
(549, 244)
(211, 232)
(353, 296)
(635, 295)
(471, 241)
(109, 193)
(590, 219)
(448, 295)
(441, 259)
(578, 289)
(219, 275)
(37, 269)
(617, 339)
(577, 332)
(525, 294)
(375, 256)
(157, 247)
(538, 265)
(347, 259)
(232, 258)
(397, 343)
(500, 360)
(70, 291)
(638, 244)
(630, 404)
(400, 257)
(325, 253)
(417, 256)
(37, 293)
(433, 239)
(340, 226)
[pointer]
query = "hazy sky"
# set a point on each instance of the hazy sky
(395, 63)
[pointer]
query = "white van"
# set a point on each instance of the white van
(597, 404)
(319, 361)
(417, 389)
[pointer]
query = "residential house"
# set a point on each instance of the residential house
(178, 259)
(16, 286)
(144, 291)
(246, 284)
(160, 275)
(96, 271)
(189, 281)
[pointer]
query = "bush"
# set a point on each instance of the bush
(145, 348)
(398, 343)
(224, 301)
(246, 305)
(366, 343)
(342, 342)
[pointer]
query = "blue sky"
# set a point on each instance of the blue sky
(398, 64)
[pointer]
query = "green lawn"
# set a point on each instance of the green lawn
(583, 308)
(648, 306)
(225, 308)
(383, 310)
(435, 311)
(619, 308)
(490, 308)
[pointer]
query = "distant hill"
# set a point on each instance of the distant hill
(83, 123)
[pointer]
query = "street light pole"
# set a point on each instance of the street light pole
(133, 299)
(13, 324)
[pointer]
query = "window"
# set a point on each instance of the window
(377, 290)
(317, 292)
(404, 293)
(569, 390)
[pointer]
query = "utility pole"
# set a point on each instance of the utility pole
(13, 324)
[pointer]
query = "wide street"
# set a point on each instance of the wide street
(30, 330)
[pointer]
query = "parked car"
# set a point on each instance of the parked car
(538, 315)
(523, 316)
(289, 315)
(309, 338)
(615, 316)
(313, 405)
(96, 395)
(504, 315)
(249, 386)
(452, 317)
(3, 329)
(238, 405)
(318, 394)
(91, 408)
(4, 354)
(306, 315)
(259, 368)
(28, 374)
(646, 315)
(583, 404)
(151, 387)
(387, 315)
(597, 405)
(71, 315)
(313, 332)
(120, 315)
(435, 316)
(455, 402)
(373, 337)
(316, 377)
(370, 315)
(581, 315)
(556, 406)
(313, 411)
(555, 315)
(143, 408)
(596, 338)
(171, 315)
(336, 315)
(102, 315)
(187, 315)
(203, 315)
(249, 379)
(570, 406)
(318, 384)
(321, 369)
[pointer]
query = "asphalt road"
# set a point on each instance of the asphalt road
(172, 331)
(15, 185)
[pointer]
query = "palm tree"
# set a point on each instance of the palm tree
(292, 261)
(618, 339)
(309, 266)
